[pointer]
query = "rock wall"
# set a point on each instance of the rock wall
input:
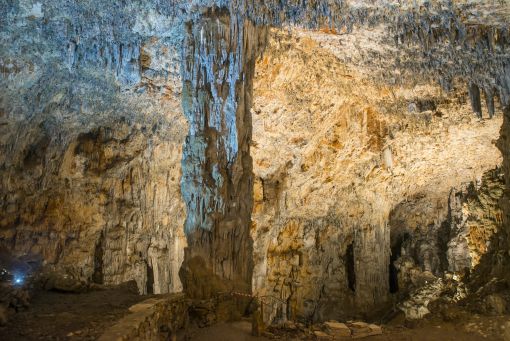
(462, 241)
(500, 264)
(475, 220)
(91, 136)
(348, 127)
(336, 154)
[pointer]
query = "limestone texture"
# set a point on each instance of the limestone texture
(335, 153)
(217, 180)
(153, 319)
(91, 141)
(327, 157)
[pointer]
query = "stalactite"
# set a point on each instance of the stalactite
(372, 257)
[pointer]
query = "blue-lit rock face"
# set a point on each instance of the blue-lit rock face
(218, 66)
(90, 104)
(214, 76)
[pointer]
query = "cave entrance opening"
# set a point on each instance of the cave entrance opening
(97, 276)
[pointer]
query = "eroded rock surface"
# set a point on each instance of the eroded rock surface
(90, 173)
(335, 152)
(220, 53)
(355, 144)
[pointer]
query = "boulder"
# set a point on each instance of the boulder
(363, 329)
(320, 335)
(359, 329)
(506, 333)
(375, 329)
(496, 304)
(338, 329)
(59, 281)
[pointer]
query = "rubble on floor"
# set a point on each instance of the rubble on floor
(330, 330)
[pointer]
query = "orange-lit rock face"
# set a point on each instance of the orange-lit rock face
(335, 151)
(110, 208)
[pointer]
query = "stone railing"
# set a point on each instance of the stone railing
(158, 318)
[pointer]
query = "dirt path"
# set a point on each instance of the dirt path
(234, 331)
(55, 315)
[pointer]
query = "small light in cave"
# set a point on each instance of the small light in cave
(18, 280)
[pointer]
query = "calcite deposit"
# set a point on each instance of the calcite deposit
(343, 152)
(323, 160)
(90, 172)
(217, 167)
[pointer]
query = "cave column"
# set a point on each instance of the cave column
(503, 259)
(504, 147)
(217, 182)
(371, 258)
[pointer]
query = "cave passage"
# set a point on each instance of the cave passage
(150, 279)
(97, 275)
(396, 251)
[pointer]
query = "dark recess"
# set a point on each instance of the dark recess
(97, 276)
(349, 267)
(150, 280)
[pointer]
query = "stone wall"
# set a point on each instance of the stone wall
(161, 318)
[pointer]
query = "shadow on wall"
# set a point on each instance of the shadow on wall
(470, 240)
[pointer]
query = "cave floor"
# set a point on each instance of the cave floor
(472, 329)
(69, 316)
(233, 331)
(85, 316)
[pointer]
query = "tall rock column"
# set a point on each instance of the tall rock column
(218, 68)
(503, 264)
(371, 257)
(504, 147)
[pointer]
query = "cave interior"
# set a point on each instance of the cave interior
(255, 170)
